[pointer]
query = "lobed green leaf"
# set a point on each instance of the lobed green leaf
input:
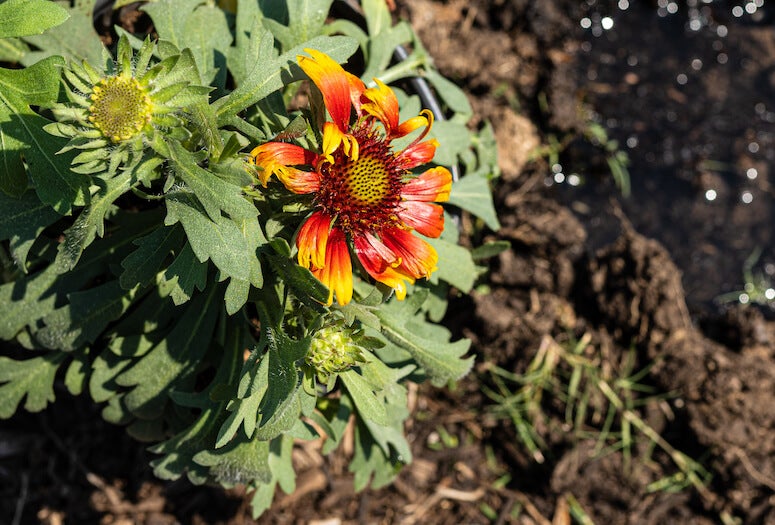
(29, 17)
(33, 378)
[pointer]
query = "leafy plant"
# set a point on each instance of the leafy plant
(593, 133)
(149, 260)
(758, 287)
(600, 401)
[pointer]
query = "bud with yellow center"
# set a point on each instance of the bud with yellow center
(116, 117)
(120, 107)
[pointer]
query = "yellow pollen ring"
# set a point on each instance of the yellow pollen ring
(367, 181)
(120, 107)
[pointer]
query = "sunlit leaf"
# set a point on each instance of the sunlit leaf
(473, 194)
(33, 378)
(29, 17)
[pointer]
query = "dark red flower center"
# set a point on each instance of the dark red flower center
(361, 194)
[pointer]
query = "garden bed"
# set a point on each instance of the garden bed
(611, 382)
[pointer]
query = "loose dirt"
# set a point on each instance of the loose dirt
(585, 265)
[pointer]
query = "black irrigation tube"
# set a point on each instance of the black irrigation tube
(428, 98)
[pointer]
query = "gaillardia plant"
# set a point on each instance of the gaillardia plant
(363, 191)
(223, 269)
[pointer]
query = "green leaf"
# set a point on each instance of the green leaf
(254, 43)
(377, 15)
(381, 48)
(170, 17)
(455, 264)
(274, 73)
(184, 275)
(85, 317)
(244, 411)
(283, 380)
(490, 249)
(241, 461)
(102, 381)
(90, 222)
(33, 378)
(180, 450)
(22, 220)
(173, 361)
(305, 286)
(213, 193)
(369, 403)
(370, 462)
(29, 17)
(237, 293)
(75, 39)
(332, 417)
(78, 372)
(287, 415)
(281, 467)
(23, 137)
(306, 19)
(221, 241)
(36, 302)
(12, 50)
(473, 194)
(426, 342)
(207, 31)
(141, 266)
(271, 399)
(454, 138)
(450, 93)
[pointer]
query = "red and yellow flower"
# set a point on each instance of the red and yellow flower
(365, 196)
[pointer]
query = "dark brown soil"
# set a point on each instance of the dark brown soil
(584, 264)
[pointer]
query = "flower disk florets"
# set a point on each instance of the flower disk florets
(362, 194)
(120, 107)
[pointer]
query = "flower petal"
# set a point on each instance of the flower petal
(333, 83)
(337, 273)
(374, 255)
(394, 278)
(417, 154)
(426, 218)
(274, 158)
(312, 240)
(425, 118)
(432, 186)
(299, 181)
(383, 105)
(333, 137)
(357, 87)
(418, 258)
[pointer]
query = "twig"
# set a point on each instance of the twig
(506, 510)
(755, 474)
(21, 500)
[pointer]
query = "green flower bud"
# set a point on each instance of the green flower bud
(334, 349)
